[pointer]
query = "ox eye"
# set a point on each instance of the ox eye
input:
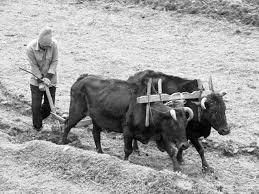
(214, 111)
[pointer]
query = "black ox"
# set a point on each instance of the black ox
(212, 109)
(112, 106)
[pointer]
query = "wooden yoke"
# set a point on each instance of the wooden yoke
(174, 96)
(160, 97)
(200, 86)
(159, 86)
(148, 105)
(148, 95)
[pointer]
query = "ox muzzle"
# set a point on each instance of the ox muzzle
(224, 130)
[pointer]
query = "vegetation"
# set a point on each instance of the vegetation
(242, 11)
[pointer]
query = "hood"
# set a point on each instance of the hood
(45, 37)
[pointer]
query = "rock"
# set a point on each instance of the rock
(248, 149)
(248, 33)
(4, 126)
(106, 148)
(253, 144)
(27, 111)
(251, 86)
(237, 31)
(230, 151)
(119, 136)
(216, 145)
(66, 148)
(6, 103)
(107, 7)
(220, 188)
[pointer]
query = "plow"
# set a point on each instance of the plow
(59, 119)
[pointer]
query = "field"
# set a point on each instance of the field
(115, 40)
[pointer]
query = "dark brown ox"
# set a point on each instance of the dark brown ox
(212, 112)
(111, 104)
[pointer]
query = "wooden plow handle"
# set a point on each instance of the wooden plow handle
(53, 109)
(51, 104)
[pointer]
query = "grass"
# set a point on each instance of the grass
(109, 172)
(240, 11)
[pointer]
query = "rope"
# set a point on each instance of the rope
(159, 111)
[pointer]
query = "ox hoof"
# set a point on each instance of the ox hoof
(126, 158)
(207, 169)
(161, 148)
(137, 152)
(99, 151)
(177, 169)
(66, 141)
(180, 161)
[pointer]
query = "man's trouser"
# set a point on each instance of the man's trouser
(40, 110)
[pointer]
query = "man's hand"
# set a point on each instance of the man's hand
(46, 81)
(42, 87)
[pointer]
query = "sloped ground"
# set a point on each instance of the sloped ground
(31, 162)
(241, 11)
(116, 41)
(41, 166)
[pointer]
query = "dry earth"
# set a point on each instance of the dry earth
(115, 40)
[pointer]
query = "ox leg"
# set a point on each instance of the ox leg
(135, 146)
(172, 153)
(160, 145)
(76, 113)
(71, 122)
(179, 156)
(200, 150)
(97, 137)
(128, 138)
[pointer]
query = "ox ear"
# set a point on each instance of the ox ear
(222, 93)
(196, 103)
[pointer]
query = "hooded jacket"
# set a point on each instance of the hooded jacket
(43, 61)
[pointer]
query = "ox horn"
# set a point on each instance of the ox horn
(203, 103)
(211, 84)
(190, 112)
(173, 114)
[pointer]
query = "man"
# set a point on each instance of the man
(43, 57)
